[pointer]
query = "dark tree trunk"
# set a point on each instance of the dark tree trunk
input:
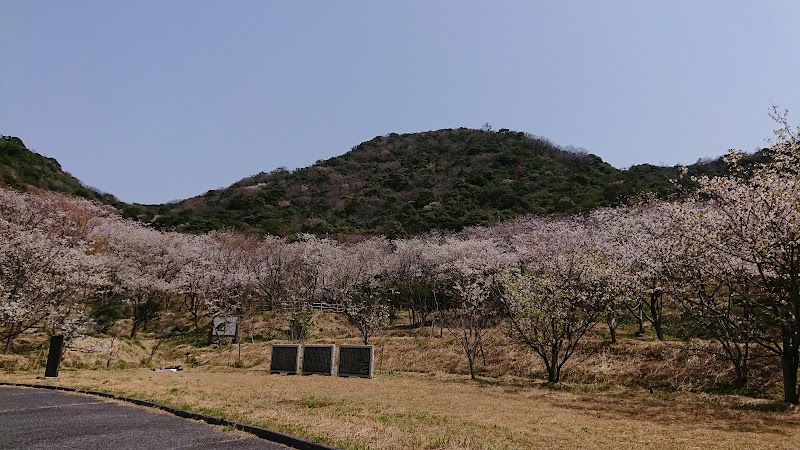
(135, 327)
(740, 367)
(553, 374)
(789, 359)
(659, 329)
(138, 314)
(655, 314)
(640, 319)
(611, 320)
(471, 367)
(553, 368)
(8, 342)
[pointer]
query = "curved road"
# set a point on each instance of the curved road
(45, 419)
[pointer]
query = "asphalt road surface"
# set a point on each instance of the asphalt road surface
(45, 419)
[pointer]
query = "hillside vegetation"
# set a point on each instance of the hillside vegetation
(393, 185)
(575, 298)
(23, 169)
(401, 185)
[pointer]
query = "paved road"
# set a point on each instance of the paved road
(45, 419)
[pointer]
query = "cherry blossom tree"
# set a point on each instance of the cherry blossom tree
(645, 243)
(610, 232)
(196, 280)
(717, 295)
(468, 263)
(558, 294)
(361, 285)
(367, 307)
(759, 223)
(46, 273)
(230, 278)
(274, 265)
(470, 317)
(312, 276)
(413, 268)
(145, 264)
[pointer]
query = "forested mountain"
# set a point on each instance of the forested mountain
(395, 185)
(22, 169)
(400, 185)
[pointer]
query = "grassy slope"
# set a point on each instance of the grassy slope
(422, 398)
(413, 411)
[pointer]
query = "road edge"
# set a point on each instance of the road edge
(263, 433)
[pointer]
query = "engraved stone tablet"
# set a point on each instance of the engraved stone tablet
(285, 359)
(356, 360)
(318, 359)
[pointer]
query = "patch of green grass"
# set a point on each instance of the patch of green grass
(133, 342)
(311, 401)
(438, 441)
(664, 395)
(122, 365)
(772, 406)
(560, 386)
(194, 338)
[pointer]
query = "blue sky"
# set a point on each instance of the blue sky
(161, 100)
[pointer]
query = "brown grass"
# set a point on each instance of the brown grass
(445, 411)
(421, 397)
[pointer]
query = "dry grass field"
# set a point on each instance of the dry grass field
(403, 411)
(422, 396)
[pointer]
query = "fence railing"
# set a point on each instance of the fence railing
(294, 306)
(322, 306)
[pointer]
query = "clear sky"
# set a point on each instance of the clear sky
(161, 100)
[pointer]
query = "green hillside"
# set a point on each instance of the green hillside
(23, 169)
(395, 185)
(400, 185)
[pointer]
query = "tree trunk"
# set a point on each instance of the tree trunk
(611, 320)
(640, 319)
(8, 343)
(740, 368)
(138, 312)
(471, 366)
(553, 374)
(740, 356)
(553, 369)
(655, 314)
(135, 327)
(659, 329)
(789, 360)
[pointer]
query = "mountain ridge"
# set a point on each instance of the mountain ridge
(22, 169)
(396, 185)
(404, 184)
